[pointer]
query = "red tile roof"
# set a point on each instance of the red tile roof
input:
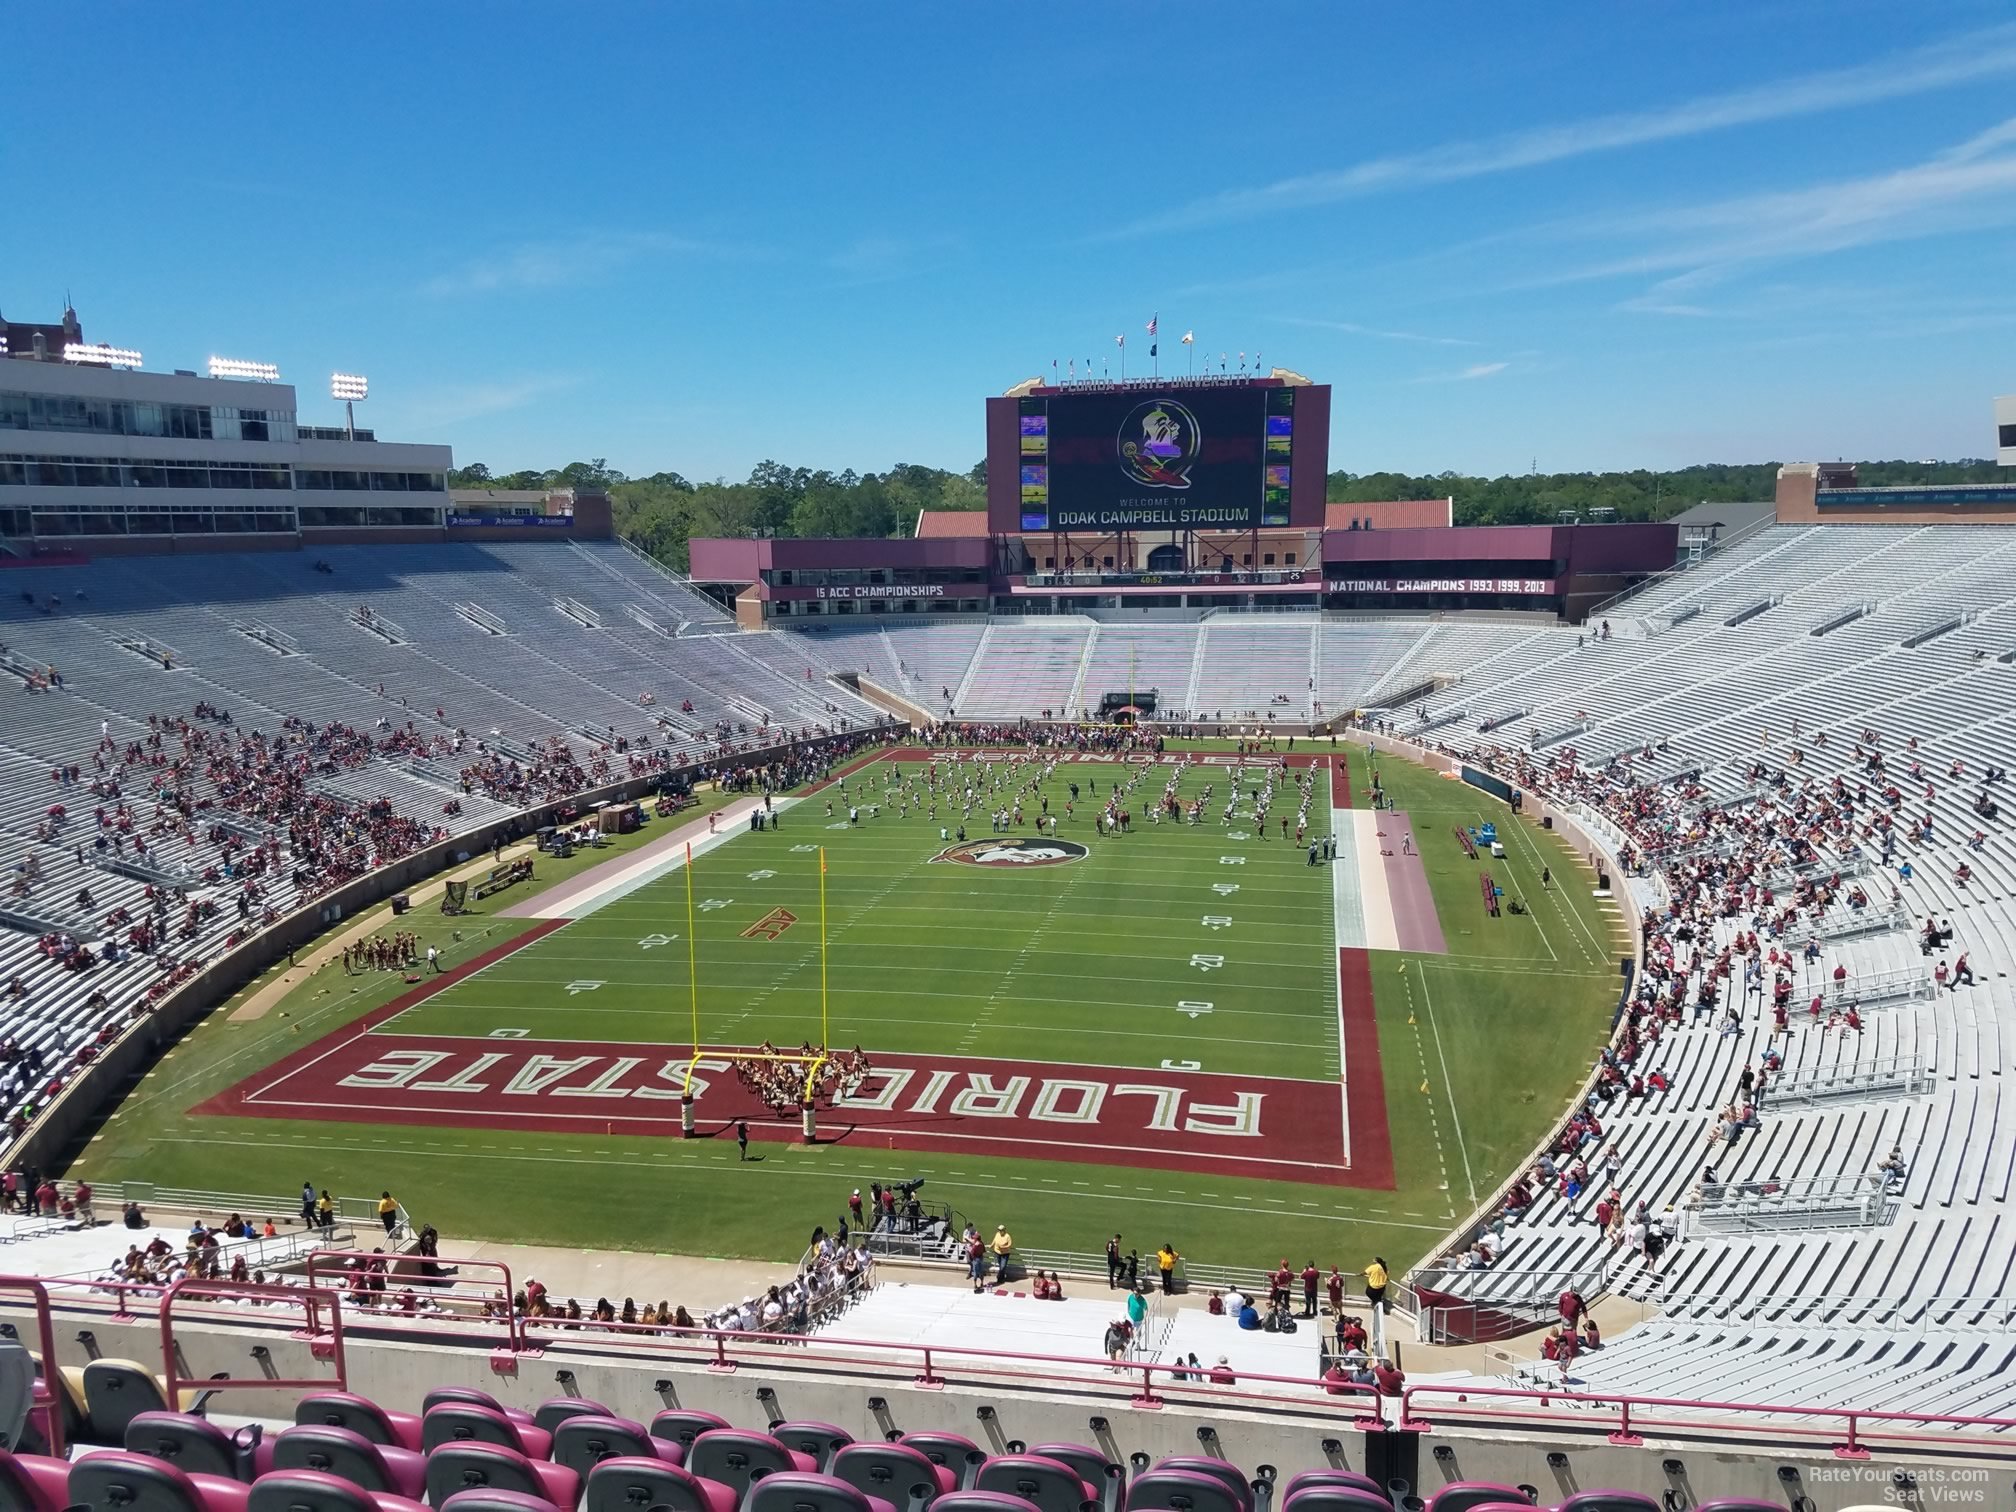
(942, 524)
(1391, 514)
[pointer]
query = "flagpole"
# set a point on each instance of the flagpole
(825, 1036)
(692, 952)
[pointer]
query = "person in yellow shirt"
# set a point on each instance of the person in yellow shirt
(388, 1211)
(1165, 1261)
(325, 1211)
(1003, 1246)
(1376, 1277)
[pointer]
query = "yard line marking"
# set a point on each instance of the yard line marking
(1455, 1117)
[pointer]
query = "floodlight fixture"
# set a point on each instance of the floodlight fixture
(233, 367)
(349, 386)
(97, 354)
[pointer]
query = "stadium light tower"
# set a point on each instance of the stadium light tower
(233, 367)
(97, 354)
(351, 388)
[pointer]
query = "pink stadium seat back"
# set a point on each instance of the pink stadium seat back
(467, 1465)
(1093, 1467)
(808, 1491)
(1190, 1491)
(348, 1455)
(33, 1483)
(344, 1409)
(190, 1443)
(483, 1499)
(680, 1427)
(960, 1455)
(890, 1471)
(554, 1411)
(1609, 1501)
(1473, 1496)
(1739, 1504)
(462, 1422)
(1233, 1478)
(983, 1501)
(820, 1440)
(1357, 1480)
(731, 1457)
(115, 1481)
(631, 1484)
(582, 1443)
(313, 1491)
(469, 1396)
(1051, 1484)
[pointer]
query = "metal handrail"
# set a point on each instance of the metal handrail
(1627, 1415)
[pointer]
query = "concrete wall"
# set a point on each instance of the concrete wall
(866, 1394)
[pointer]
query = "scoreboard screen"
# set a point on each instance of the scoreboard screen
(1146, 457)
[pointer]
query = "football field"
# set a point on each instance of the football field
(1181, 1025)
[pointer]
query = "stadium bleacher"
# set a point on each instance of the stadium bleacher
(1705, 723)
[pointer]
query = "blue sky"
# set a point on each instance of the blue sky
(692, 236)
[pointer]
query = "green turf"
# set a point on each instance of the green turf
(1083, 963)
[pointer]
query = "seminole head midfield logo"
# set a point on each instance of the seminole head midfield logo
(1013, 850)
(1159, 441)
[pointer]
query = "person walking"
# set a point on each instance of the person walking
(741, 1139)
(1165, 1262)
(307, 1204)
(1115, 1262)
(388, 1212)
(1376, 1278)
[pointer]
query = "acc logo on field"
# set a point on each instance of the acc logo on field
(1014, 850)
(1158, 444)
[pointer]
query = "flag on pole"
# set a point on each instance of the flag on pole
(1071, 370)
(1152, 319)
(1256, 362)
(1120, 340)
(1151, 348)
(1189, 338)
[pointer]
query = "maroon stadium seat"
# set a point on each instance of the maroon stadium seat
(1472, 1496)
(460, 1422)
(554, 1411)
(115, 1481)
(33, 1483)
(313, 1491)
(345, 1409)
(820, 1440)
(484, 1499)
(681, 1427)
(582, 1443)
(1231, 1475)
(732, 1457)
(1192, 1491)
(469, 1465)
(1093, 1467)
(960, 1455)
(469, 1396)
(1053, 1485)
(983, 1501)
(890, 1471)
(808, 1491)
(1609, 1501)
(196, 1445)
(630, 1484)
(348, 1455)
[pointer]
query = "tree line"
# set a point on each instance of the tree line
(664, 511)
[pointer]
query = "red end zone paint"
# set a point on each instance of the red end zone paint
(1193, 1121)
(1204, 1124)
(1371, 1140)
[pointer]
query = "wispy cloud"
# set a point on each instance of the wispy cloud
(1470, 374)
(1944, 65)
(1968, 187)
(455, 403)
(578, 259)
(880, 259)
(1352, 328)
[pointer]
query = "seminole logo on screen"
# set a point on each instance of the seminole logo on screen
(1013, 850)
(1159, 442)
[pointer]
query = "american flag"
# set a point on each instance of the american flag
(1189, 337)
(1120, 340)
(1151, 322)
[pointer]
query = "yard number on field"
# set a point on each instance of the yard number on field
(763, 875)
(1231, 860)
(1224, 889)
(1207, 962)
(1217, 921)
(583, 986)
(1193, 1009)
(652, 942)
(708, 905)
